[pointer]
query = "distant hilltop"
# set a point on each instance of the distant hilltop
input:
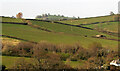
(53, 17)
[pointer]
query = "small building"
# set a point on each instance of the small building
(115, 65)
(115, 62)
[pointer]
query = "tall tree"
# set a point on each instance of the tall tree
(111, 13)
(19, 15)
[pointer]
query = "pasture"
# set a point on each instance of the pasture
(60, 28)
(7, 19)
(36, 35)
(89, 20)
(60, 34)
(109, 26)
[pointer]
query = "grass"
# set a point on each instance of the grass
(33, 34)
(89, 20)
(70, 35)
(68, 29)
(7, 19)
(75, 64)
(9, 61)
(110, 26)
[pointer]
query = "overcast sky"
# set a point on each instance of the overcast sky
(81, 8)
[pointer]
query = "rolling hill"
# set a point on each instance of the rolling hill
(58, 33)
(90, 20)
(61, 34)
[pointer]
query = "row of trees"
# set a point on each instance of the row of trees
(49, 56)
(47, 15)
(53, 17)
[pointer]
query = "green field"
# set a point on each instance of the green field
(9, 61)
(33, 34)
(89, 20)
(68, 29)
(75, 64)
(109, 26)
(61, 34)
(65, 29)
(7, 19)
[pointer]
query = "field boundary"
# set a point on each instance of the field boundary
(106, 38)
(98, 22)
(14, 23)
(38, 27)
(18, 38)
(109, 33)
(60, 23)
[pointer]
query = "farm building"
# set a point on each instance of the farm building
(115, 65)
(115, 62)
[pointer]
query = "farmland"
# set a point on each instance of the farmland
(7, 19)
(89, 20)
(109, 26)
(65, 34)
(67, 29)
(33, 34)
(9, 61)
(59, 35)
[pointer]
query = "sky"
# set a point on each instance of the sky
(70, 8)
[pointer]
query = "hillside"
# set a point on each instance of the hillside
(90, 20)
(63, 37)
(58, 35)
(8, 19)
(58, 28)
(108, 26)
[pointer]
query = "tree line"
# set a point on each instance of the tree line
(52, 56)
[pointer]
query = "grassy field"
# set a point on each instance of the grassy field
(64, 35)
(68, 29)
(89, 20)
(65, 29)
(109, 26)
(9, 61)
(7, 19)
(33, 34)
(75, 64)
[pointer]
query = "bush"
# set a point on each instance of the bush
(64, 56)
(22, 49)
(74, 59)
(94, 48)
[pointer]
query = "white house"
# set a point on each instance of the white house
(115, 62)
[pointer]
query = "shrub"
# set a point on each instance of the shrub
(94, 48)
(21, 63)
(22, 49)
(64, 56)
